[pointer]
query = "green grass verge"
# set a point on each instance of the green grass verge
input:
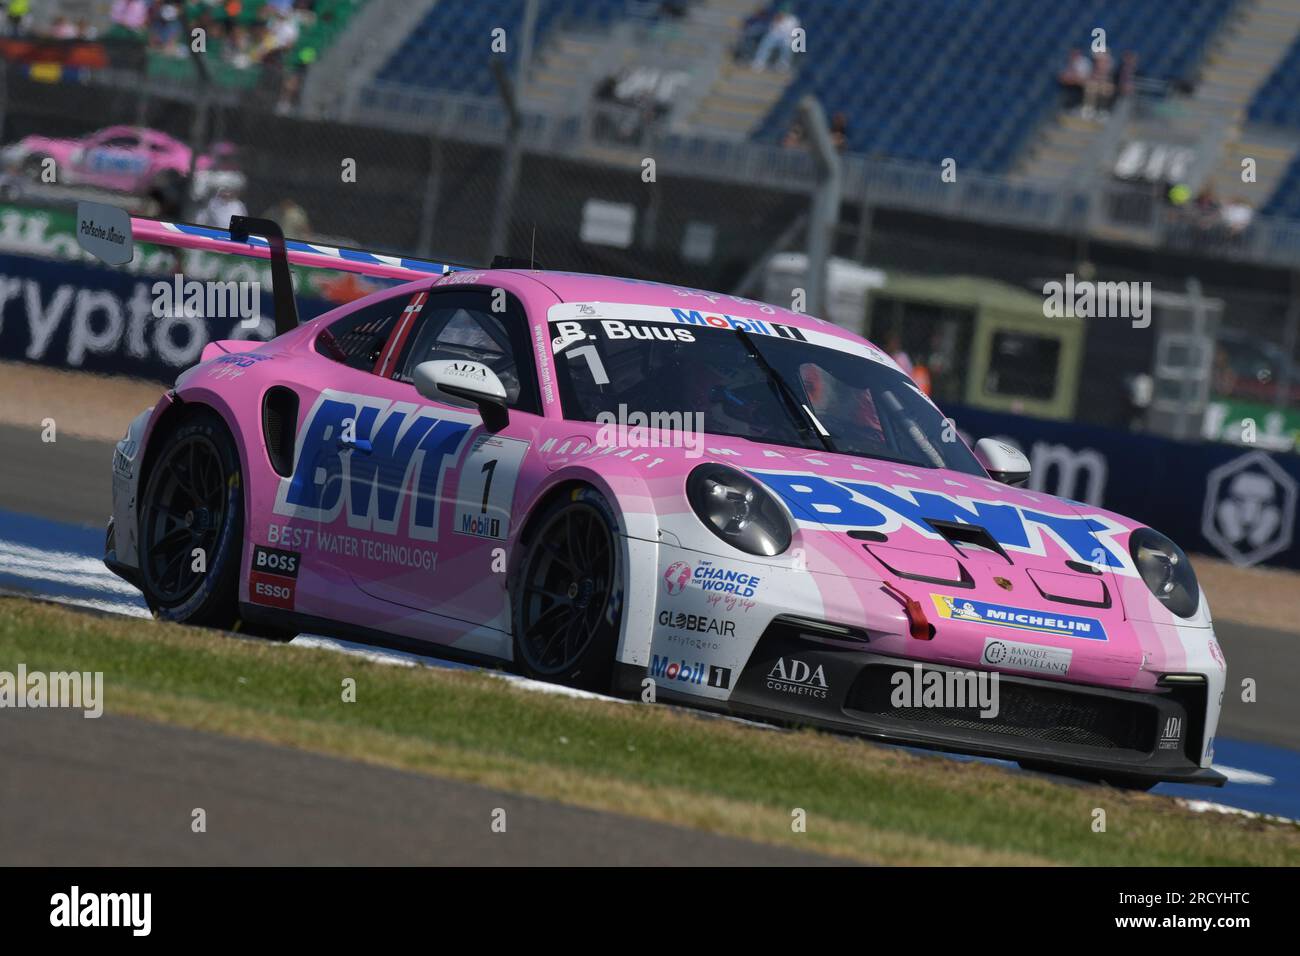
(862, 801)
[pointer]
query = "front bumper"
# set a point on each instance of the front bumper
(1118, 736)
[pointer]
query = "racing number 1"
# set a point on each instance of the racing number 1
(489, 469)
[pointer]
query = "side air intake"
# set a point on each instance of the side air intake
(279, 423)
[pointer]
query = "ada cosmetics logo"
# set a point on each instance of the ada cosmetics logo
(1014, 656)
(1171, 738)
(665, 668)
(798, 677)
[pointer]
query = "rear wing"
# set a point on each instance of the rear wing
(109, 234)
(262, 239)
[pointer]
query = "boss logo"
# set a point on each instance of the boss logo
(275, 561)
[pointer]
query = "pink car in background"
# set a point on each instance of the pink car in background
(128, 159)
(627, 486)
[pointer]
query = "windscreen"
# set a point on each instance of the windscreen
(760, 387)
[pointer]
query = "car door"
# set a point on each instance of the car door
(113, 161)
(476, 489)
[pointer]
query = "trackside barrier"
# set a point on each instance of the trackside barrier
(1230, 501)
(82, 316)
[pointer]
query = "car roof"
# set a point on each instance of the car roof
(583, 287)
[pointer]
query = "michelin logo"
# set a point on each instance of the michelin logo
(1000, 615)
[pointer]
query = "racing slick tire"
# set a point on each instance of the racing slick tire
(567, 594)
(192, 526)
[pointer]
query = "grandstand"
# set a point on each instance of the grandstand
(913, 82)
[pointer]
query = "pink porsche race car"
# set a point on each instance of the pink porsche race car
(128, 159)
(649, 490)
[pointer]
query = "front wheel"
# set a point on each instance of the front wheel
(567, 596)
(192, 525)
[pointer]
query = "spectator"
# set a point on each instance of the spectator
(1100, 88)
(840, 131)
(63, 29)
(166, 28)
(1073, 79)
(1237, 216)
(1127, 83)
(16, 15)
(779, 39)
(794, 137)
(131, 16)
(224, 201)
(1206, 212)
(751, 33)
(894, 346)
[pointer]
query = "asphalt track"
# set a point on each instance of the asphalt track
(71, 800)
(117, 791)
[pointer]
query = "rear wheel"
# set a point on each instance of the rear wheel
(192, 525)
(567, 596)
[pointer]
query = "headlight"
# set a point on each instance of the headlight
(738, 509)
(1166, 571)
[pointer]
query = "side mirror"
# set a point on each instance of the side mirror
(1003, 462)
(472, 381)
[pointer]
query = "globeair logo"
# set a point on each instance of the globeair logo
(860, 504)
(366, 455)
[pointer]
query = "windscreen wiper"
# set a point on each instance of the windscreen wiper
(800, 414)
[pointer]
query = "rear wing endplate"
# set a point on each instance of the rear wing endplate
(251, 237)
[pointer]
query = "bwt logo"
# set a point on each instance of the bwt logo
(365, 456)
(861, 504)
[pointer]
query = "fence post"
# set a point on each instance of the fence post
(824, 213)
(429, 206)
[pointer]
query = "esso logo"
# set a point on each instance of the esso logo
(677, 577)
(279, 591)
